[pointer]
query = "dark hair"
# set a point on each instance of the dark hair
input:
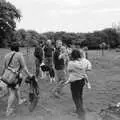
(75, 55)
(14, 47)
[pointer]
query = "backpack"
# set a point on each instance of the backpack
(38, 53)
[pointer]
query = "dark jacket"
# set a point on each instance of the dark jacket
(38, 53)
(48, 51)
(59, 63)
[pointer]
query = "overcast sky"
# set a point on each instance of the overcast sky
(67, 15)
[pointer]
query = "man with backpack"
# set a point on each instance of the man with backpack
(38, 53)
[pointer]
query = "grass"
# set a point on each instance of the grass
(105, 81)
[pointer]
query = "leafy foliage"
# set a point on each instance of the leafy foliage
(91, 40)
(8, 16)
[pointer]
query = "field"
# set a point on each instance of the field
(105, 81)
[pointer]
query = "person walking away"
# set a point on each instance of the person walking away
(14, 63)
(38, 53)
(48, 54)
(77, 68)
(59, 66)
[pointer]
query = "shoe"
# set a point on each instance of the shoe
(52, 80)
(9, 111)
(22, 101)
(36, 79)
(88, 85)
(56, 94)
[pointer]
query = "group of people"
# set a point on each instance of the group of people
(69, 65)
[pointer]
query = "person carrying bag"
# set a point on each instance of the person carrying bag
(9, 76)
(14, 63)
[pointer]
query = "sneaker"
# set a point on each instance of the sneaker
(22, 101)
(52, 80)
(88, 85)
(37, 79)
(9, 111)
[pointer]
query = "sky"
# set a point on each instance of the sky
(67, 15)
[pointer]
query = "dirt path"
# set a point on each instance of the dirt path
(51, 108)
(105, 90)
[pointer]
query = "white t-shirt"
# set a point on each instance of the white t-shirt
(77, 69)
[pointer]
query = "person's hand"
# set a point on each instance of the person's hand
(59, 57)
(68, 81)
(30, 75)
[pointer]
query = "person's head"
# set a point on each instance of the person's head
(48, 42)
(77, 45)
(58, 43)
(72, 46)
(85, 48)
(14, 47)
(75, 55)
(63, 49)
(40, 44)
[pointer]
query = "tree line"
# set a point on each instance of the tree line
(109, 36)
(8, 33)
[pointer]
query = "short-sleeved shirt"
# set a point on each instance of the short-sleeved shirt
(77, 69)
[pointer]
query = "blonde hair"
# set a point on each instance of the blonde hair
(63, 49)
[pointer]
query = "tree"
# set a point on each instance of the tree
(112, 37)
(32, 37)
(8, 16)
(44, 37)
(20, 36)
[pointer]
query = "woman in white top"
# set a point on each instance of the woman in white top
(77, 68)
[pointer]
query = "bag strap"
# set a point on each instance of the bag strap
(11, 59)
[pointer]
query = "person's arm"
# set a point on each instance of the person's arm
(34, 52)
(43, 49)
(4, 66)
(54, 56)
(69, 69)
(62, 56)
(89, 66)
(23, 65)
